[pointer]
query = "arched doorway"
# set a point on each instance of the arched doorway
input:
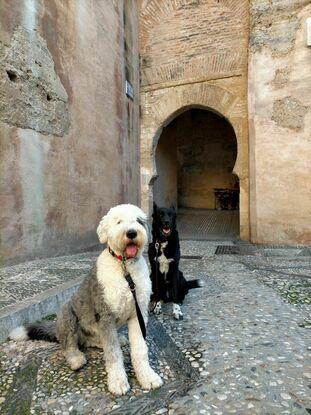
(159, 109)
(195, 157)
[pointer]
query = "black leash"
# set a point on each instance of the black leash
(157, 246)
(131, 284)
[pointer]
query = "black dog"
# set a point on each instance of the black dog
(168, 282)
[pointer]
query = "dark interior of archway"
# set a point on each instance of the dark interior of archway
(196, 154)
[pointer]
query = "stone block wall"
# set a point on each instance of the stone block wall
(69, 135)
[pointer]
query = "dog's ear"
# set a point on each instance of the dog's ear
(102, 230)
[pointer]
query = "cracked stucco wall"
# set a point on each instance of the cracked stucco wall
(69, 136)
(280, 122)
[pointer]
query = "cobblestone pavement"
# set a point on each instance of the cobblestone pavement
(19, 282)
(243, 347)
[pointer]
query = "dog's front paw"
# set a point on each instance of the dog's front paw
(149, 379)
(118, 383)
(177, 313)
(75, 359)
(158, 308)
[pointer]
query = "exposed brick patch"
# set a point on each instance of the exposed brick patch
(281, 77)
(289, 112)
(274, 25)
(279, 37)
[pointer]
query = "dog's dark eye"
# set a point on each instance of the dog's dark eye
(140, 221)
(119, 221)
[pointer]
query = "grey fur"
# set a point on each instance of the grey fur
(104, 302)
(77, 321)
(80, 322)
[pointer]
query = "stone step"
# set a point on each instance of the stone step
(34, 289)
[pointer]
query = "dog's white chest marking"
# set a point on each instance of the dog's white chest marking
(164, 263)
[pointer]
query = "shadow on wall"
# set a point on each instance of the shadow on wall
(196, 153)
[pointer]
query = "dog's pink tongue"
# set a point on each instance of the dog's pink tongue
(131, 251)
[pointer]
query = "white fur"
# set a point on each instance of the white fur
(164, 263)
(117, 294)
(158, 308)
(177, 313)
(118, 297)
(19, 334)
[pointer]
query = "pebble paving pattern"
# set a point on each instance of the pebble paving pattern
(243, 347)
(18, 282)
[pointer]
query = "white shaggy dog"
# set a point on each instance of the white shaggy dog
(104, 302)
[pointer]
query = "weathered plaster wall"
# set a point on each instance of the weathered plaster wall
(193, 54)
(69, 135)
(280, 122)
(165, 186)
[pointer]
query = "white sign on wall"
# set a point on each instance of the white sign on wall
(129, 90)
(309, 31)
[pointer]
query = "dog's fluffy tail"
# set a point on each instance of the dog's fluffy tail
(194, 284)
(43, 330)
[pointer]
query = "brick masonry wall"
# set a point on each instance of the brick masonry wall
(188, 40)
(69, 144)
(280, 122)
(193, 54)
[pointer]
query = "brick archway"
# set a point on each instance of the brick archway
(162, 106)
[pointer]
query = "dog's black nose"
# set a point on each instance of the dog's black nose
(131, 233)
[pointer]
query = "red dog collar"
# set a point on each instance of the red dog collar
(119, 257)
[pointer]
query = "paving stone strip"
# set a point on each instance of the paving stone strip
(243, 347)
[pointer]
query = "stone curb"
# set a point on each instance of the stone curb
(36, 307)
